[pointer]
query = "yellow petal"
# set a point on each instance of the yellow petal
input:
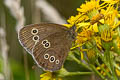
(102, 21)
(59, 78)
(83, 24)
(118, 15)
(95, 27)
(98, 68)
(117, 72)
(82, 55)
(46, 76)
(68, 25)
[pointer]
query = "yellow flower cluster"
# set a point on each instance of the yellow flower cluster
(106, 69)
(98, 28)
(89, 6)
(96, 21)
(49, 76)
(101, 71)
(98, 35)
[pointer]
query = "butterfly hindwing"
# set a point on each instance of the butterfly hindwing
(59, 46)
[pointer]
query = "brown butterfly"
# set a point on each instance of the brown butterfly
(48, 44)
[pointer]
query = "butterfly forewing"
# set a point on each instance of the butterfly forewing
(26, 38)
(25, 35)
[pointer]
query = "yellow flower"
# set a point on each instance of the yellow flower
(96, 18)
(97, 23)
(106, 35)
(111, 1)
(99, 68)
(46, 76)
(118, 42)
(88, 6)
(117, 71)
(83, 36)
(98, 42)
(72, 21)
(94, 27)
(110, 15)
(91, 54)
(49, 76)
(82, 24)
(68, 25)
(116, 25)
(75, 19)
(82, 55)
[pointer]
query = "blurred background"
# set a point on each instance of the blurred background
(15, 63)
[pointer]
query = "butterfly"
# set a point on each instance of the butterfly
(47, 43)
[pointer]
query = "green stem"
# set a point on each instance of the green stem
(107, 59)
(79, 62)
(79, 73)
(112, 66)
(96, 71)
(107, 73)
(63, 73)
(116, 66)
